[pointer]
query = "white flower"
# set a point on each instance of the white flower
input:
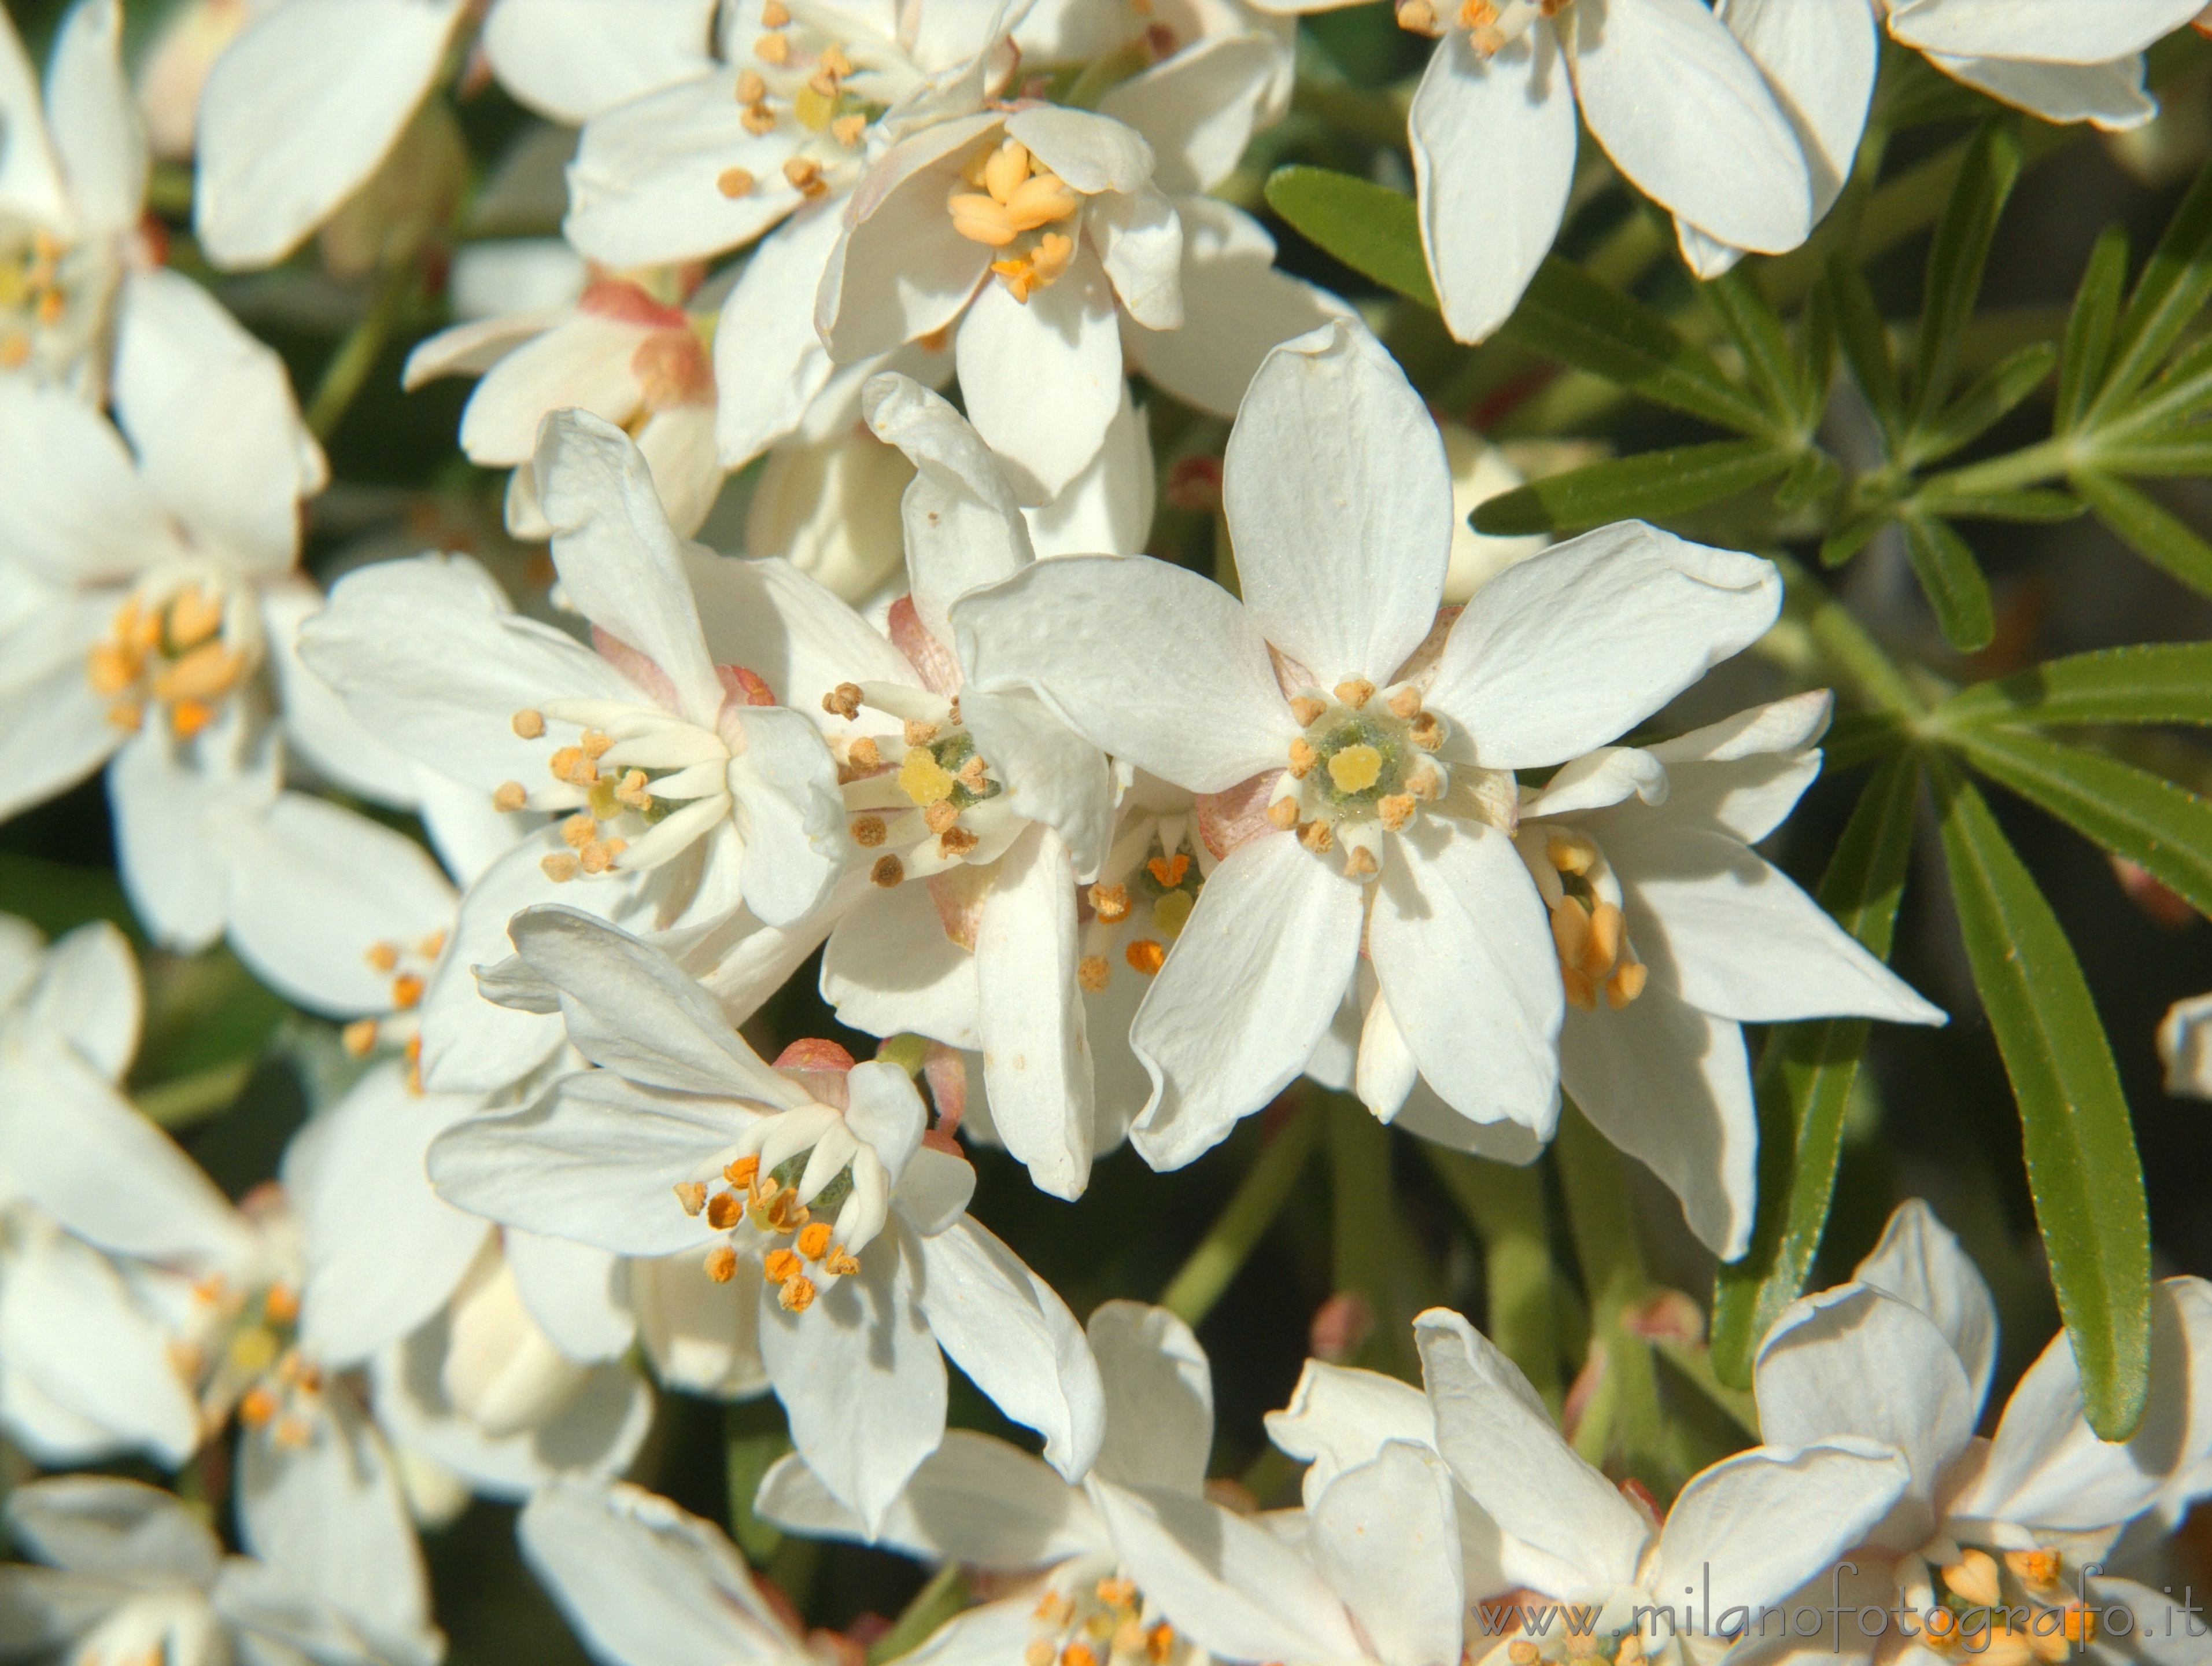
(620, 352)
(1679, 106)
(985, 1503)
(141, 582)
(1903, 1354)
(645, 1584)
(1359, 755)
(134, 1575)
(1474, 1473)
(682, 793)
(2061, 62)
(1673, 933)
(2185, 1047)
(72, 187)
(684, 1141)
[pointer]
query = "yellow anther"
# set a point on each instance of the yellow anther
(971, 775)
(560, 868)
(843, 701)
(981, 219)
(431, 945)
(1146, 955)
(194, 615)
(1405, 703)
(780, 1264)
(1110, 903)
(596, 743)
(1396, 810)
(922, 778)
(1039, 1653)
(751, 89)
(1079, 1654)
(916, 733)
(757, 120)
(207, 673)
(1041, 200)
(598, 856)
(1425, 783)
(382, 957)
(1606, 926)
(189, 717)
(1974, 1577)
(579, 831)
(735, 182)
(281, 1303)
(1360, 862)
(1521, 1652)
(864, 754)
(1168, 871)
(110, 669)
(125, 714)
(888, 872)
(1355, 691)
(840, 1263)
(257, 1407)
(1317, 837)
(724, 1210)
(1006, 170)
(569, 764)
(1570, 931)
(1581, 993)
(529, 723)
(692, 1194)
(633, 789)
(741, 1170)
(15, 351)
(1037, 269)
(1117, 1593)
(358, 1036)
(957, 841)
(1303, 758)
(814, 1240)
(804, 175)
(1356, 768)
(1419, 17)
(772, 49)
(1159, 1643)
(847, 130)
(406, 991)
(939, 818)
(1305, 708)
(797, 1294)
(721, 1263)
(774, 15)
(1284, 813)
(509, 795)
(1426, 731)
(868, 831)
(1570, 853)
(2036, 1568)
(1093, 973)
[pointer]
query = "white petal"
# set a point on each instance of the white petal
(1736, 938)
(1339, 499)
(1597, 780)
(861, 1381)
(789, 811)
(327, 737)
(210, 413)
(1146, 659)
(631, 1009)
(1254, 978)
(30, 176)
(569, 59)
(1819, 58)
(1671, 1086)
(644, 189)
(1236, 307)
(1108, 508)
(1567, 650)
(1465, 955)
(318, 889)
(1766, 1520)
(963, 527)
(679, 447)
(789, 629)
(1919, 1262)
(1684, 113)
(1338, 1418)
(1386, 1537)
(1093, 152)
(87, 990)
(1042, 377)
(900, 270)
(1493, 149)
(1140, 241)
(644, 1583)
(2108, 95)
(301, 110)
(1745, 773)
(1502, 1447)
(769, 364)
(890, 967)
(54, 728)
(1037, 1061)
(575, 1292)
(2053, 31)
(1159, 1397)
(96, 128)
(176, 807)
(618, 559)
(103, 1526)
(1052, 775)
(595, 1160)
(584, 362)
(1197, 108)
(702, 1338)
(1016, 1339)
(76, 511)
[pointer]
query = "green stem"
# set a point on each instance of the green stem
(1505, 1206)
(187, 1100)
(945, 1596)
(1368, 1256)
(753, 1438)
(357, 355)
(1229, 1242)
(1846, 644)
(1603, 1219)
(2047, 459)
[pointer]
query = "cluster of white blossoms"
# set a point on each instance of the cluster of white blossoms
(1103, 850)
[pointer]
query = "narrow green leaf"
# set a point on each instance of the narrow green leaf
(1984, 404)
(1804, 1083)
(1262, 1194)
(1953, 579)
(1865, 341)
(1956, 258)
(2031, 505)
(2158, 537)
(1569, 315)
(2131, 812)
(2173, 287)
(1811, 477)
(2082, 1169)
(2180, 392)
(1853, 536)
(2090, 325)
(2154, 458)
(1816, 353)
(1750, 320)
(2158, 683)
(1369, 227)
(1652, 485)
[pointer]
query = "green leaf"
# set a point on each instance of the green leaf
(1816, 353)
(1952, 577)
(2154, 457)
(2089, 327)
(1811, 477)
(1567, 314)
(2029, 505)
(2082, 1169)
(1804, 1083)
(1652, 485)
(1984, 404)
(2173, 289)
(2161, 827)
(1955, 259)
(1369, 227)
(2153, 533)
(1865, 341)
(2159, 682)
(754, 1437)
(1746, 313)
(1853, 536)
(2180, 394)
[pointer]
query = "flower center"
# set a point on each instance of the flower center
(1086, 1619)
(252, 1361)
(790, 1170)
(1491, 25)
(1588, 927)
(185, 641)
(1364, 765)
(1011, 198)
(832, 90)
(409, 966)
(642, 784)
(927, 801)
(52, 300)
(1145, 891)
(1970, 1620)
